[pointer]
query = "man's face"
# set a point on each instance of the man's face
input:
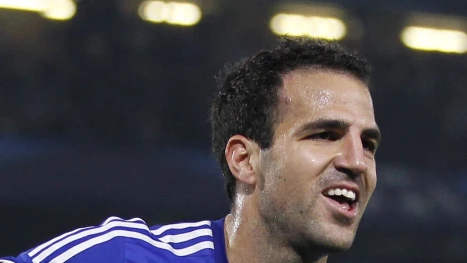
(322, 157)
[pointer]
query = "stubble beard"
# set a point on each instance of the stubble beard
(299, 226)
(307, 236)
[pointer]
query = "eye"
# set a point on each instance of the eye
(369, 145)
(325, 135)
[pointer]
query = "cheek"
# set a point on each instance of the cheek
(370, 181)
(290, 171)
(373, 181)
(281, 176)
(310, 160)
(298, 171)
(371, 178)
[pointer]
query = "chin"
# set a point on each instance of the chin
(341, 245)
(339, 241)
(342, 240)
(324, 247)
(331, 247)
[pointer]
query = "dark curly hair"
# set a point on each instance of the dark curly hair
(246, 101)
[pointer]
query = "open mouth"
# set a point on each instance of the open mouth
(345, 199)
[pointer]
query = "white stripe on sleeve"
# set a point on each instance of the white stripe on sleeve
(186, 236)
(162, 229)
(33, 252)
(42, 255)
(123, 233)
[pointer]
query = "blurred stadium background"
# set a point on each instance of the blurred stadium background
(104, 111)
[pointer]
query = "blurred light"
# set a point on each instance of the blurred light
(60, 10)
(52, 9)
(433, 39)
(176, 13)
(313, 26)
(25, 5)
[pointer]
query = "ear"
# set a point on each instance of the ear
(242, 156)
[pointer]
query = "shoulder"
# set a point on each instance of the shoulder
(89, 242)
(117, 240)
(169, 243)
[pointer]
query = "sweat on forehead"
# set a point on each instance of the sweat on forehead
(307, 81)
(317, 70)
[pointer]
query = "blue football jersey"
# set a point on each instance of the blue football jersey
(132, 241)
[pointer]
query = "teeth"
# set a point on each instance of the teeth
(342, 192)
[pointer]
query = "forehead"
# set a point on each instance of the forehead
(318, 93)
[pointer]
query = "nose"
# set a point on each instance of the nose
(351, 158)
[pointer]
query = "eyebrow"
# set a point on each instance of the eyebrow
(335, 124)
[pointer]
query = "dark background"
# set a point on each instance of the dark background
(106, 114)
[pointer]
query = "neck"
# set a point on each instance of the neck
(248, 239)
